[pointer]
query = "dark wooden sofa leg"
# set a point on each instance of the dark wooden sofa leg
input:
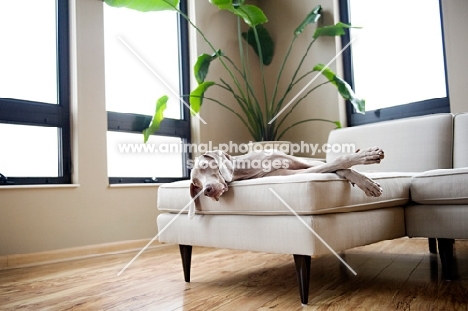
(432, 245)
(186, 255)
(303, 276)
(446, 257)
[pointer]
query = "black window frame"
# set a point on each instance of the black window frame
(26, 112)
(429, 106)
(180, 128)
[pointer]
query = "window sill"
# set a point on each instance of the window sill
(135, 185)
(54, 186)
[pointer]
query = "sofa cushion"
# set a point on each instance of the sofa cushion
(460, 141)
(447, 186)
(411, 145)
(307, 194)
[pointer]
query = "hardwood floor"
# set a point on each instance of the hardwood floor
(392, 275)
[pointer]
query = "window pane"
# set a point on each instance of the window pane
(132, 39)
(28, 151)
(28, 54)
(398, 54)
(128, 156)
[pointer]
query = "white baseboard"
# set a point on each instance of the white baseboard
(40, 258)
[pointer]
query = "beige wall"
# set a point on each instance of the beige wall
(321, 104)
(33, 220)
(221, 125)
(325, 102)
(456, 48)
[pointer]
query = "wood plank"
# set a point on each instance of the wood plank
(392, 275)
(3, 262)
(40, 258)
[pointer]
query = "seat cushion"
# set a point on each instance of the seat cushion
(437, 221)
(283, 234)
(306, 194)
(447, 186)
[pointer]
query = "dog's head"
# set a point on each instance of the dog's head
(211, 173)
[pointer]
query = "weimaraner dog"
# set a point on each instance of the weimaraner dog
(214, 170)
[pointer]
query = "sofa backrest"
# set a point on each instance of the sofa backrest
(411, 145)
(460, 140)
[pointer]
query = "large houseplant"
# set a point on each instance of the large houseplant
(260, 118)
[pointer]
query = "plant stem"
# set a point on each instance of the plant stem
(242, 58)
(302, 77)
(302, 61)
(250, 93)
(210, 45)
(298, 101)
(280, 72)
(292, 82)
(252, 132)
(248, 86)
(246, 108)
(262, 68)
(303, 121)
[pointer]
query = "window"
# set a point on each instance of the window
(396, 60)
(34, 92)
(146, 57)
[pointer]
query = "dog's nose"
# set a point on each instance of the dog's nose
(208, 190)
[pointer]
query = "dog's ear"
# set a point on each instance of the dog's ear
(226, 167)
(224, 162)
(194, 190)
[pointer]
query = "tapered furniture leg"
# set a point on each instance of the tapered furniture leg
(303, 276)
(432, 245)
(446, 257)
(186, 255)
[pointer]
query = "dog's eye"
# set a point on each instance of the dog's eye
(203, 164)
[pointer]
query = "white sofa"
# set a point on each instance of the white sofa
(439, 208)
(251, 217)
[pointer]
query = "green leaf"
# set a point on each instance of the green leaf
(222, 4)
(144, 5)
(266, 42)
(161, 105)
(312, 17)
(237, 3)
(197, 95)
(227, 4)
(203, 64)
(338, 124)
(251, 14)
(343, 88)
(332, 31)
(327, 72)
(347, 93)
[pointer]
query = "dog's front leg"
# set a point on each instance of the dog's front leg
(370, 187)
